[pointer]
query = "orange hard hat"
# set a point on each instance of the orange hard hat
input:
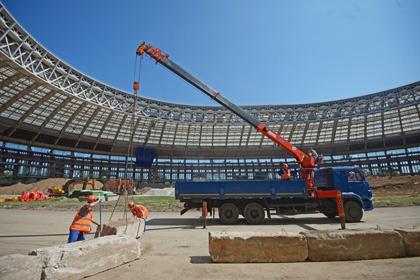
(131, 204)
(91, 198)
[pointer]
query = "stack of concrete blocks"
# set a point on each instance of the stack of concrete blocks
(343, 245)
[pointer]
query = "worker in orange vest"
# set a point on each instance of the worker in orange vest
(140, 212)
(284, 171)
(82, 220)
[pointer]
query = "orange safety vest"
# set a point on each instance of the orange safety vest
(82, 223)
(140, 211)
(285, 175)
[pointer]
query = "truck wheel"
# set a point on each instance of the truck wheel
(353, 210)
(254, 213)
(228, 214)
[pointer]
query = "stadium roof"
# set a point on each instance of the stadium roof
(46, 102)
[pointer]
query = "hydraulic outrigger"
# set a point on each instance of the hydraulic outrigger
(307, 162)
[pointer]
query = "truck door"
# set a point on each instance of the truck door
(356, 182)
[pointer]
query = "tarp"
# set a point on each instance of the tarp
(145, 157)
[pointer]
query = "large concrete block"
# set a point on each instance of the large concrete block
(411, 238)
(20, 267)
(257, 247)
(129, 229)
(354, 245)
(80, 259)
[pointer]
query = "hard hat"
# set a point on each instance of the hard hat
(91, 198)
(131, 204)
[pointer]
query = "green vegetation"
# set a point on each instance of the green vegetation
(159, 203)
(57, 203)
(169, 203)
(393, 201)
(153, 203)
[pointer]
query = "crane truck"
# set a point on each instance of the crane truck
(334, 191)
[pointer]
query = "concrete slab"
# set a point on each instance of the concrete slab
(354, 245)
(81, 259)
(257, 247)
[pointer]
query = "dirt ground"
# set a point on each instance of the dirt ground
(395, 186)
(176, 247)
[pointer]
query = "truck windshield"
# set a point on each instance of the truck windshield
(355, 176)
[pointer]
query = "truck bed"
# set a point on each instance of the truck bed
(274, 189)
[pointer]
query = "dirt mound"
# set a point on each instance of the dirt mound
(399, 185)
(43, 186)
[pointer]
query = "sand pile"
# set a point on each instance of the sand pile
(160, 192)
(44, 185)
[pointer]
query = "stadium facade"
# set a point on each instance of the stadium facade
(58, 122)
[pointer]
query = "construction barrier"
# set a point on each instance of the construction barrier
(30, 196)
(257, 247)
(340, 245)
(350, 245)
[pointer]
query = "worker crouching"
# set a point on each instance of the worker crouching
(82, 220)
(140, 212)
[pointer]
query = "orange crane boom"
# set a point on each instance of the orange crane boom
(307, 162)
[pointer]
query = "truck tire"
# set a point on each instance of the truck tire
(353, 211)
(254, 213)
(228, 214)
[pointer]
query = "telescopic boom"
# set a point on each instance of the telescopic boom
(307, 162)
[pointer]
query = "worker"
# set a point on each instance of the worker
(140, 212)
(82, 220)
(284, 171)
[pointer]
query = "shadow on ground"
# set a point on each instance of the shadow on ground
(283, 220)
(200, 259)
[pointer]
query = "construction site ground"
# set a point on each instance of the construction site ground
(176, 247)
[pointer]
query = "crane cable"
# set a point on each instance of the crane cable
(130, 148)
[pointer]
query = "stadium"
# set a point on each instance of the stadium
(78, 154)
(59, 122)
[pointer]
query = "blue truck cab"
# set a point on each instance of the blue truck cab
(253, 198)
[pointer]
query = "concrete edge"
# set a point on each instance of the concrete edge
(20, 267)
(411, 240)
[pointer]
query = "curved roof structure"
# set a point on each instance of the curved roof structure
(46, 102)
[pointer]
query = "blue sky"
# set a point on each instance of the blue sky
(253, 52)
